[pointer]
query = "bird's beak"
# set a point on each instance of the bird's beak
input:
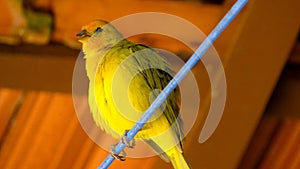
(83, 34)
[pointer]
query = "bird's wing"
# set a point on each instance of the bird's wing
(159, 79)
(156, 72)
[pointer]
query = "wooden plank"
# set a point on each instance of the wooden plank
(260, 142)
(80, 145)
(9, 102)
(68, 124)
(77, 151)
(30, 67)
(83, 158)
(284, 149)
(97, 155)
(52, 136)
(43, 133)
(19, 138)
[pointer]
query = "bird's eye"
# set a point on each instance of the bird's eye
(99, 29)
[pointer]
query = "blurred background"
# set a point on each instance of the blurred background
(260, 52)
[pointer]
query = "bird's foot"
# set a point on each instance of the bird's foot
(121, 156)
(125, 140)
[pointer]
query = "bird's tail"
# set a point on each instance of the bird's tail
(177, 159)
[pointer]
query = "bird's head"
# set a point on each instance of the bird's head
(98, 33)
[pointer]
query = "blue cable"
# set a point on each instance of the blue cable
(231, 14)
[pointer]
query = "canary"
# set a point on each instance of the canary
(124, 78)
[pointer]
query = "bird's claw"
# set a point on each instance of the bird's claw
(125, 140)
(121, 157)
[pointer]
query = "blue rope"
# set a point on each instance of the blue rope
(236, 8)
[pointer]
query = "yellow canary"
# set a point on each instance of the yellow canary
(124, 78)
